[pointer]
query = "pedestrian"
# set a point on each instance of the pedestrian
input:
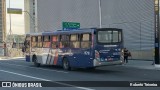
(126, 54)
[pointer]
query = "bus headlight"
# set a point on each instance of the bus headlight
(97, 56)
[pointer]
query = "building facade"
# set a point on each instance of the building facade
(2, 20)
(2, 26)
(29, 15)
(135, 17)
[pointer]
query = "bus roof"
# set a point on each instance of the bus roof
(84, 30)
(69, 31)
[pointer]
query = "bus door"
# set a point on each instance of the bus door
(108, 45)
(86, 46)
(26, 48)
(46, 52)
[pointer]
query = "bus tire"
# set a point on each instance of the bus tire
(65, 64)
(34, 59)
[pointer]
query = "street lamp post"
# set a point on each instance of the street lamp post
(10, 33)
(10, 24)
(100, 14)
(157, 37)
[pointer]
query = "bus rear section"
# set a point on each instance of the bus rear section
(109, 44)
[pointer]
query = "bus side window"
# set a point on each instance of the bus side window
(46, 41)
(75, 41)
(39, 44)
(85, 40)
(60, 45)
(64, 41)
(34, 41)
(54, 41)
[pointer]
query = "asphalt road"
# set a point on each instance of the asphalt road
(19, 70)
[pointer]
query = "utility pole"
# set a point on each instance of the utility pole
(33, 20)
(100, 14)
(157, 37)
(10, 30)
(10, 24)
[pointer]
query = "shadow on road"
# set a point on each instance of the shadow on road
(96, 71)
(102, 70)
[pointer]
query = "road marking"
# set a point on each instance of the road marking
(84, 88)
(34, 67)
(24, 75)
(74, 86)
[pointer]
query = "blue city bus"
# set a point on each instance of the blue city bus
(82, 48)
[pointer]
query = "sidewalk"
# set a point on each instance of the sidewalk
(7, 58)
(142, 64)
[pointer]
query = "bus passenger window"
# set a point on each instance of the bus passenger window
(46, 38)
(74, 41)
(46, 41)
(54, 42)
(85, 40)
(46, 44)
(64, 41)
(34, 41)
(75, 44)
(54, 38)
(39, 44)
(60, 45)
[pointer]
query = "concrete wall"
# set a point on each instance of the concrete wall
(51, 13)
(136, 18)
(13, 52)
(29, 17)
(143, 55)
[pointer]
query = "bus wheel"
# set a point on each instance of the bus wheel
(66, 65)
(35, 61)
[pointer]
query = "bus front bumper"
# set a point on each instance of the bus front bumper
(97, 63)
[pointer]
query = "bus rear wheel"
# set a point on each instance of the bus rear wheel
(36, 62)
(66, 65)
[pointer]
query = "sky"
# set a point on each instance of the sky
(17, 20)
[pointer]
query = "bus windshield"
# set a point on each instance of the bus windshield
(109, 36)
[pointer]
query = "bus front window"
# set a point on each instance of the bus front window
(115, 36)
(111, 36)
